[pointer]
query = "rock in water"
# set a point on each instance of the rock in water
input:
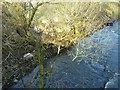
(28, 56)
(112, 83)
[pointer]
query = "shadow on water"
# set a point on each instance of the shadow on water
(91, 63)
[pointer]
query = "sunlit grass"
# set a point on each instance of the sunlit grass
(73, 20)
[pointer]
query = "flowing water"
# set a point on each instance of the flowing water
(91, 63)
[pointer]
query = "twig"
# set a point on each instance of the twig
(33, 14)
(9, 46)
(7, 57)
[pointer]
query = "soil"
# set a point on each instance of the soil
(13, 65)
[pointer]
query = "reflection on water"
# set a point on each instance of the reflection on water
(92, 63)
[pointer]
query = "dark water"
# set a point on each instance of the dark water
(92, 63)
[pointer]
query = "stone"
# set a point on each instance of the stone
(112, 83)
(15, 81)
(28, 56)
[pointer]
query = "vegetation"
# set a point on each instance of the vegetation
(61, 24)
